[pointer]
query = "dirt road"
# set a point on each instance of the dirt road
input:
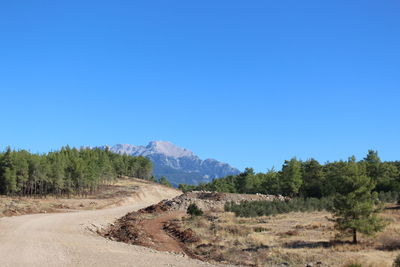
(65, 239)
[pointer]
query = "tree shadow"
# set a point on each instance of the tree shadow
(395, 207)
(311, 244)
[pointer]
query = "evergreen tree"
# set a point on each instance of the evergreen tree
(6, 173)
(291, 179)
(356, 205)
(313, 179)
(245, 181)
(373, 165)
(270, 183)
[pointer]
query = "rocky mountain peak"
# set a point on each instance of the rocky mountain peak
(178, 164)
(168, 149)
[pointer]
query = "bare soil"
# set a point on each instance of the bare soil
(163, 241)
(71, 239)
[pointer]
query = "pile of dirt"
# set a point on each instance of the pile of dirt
(156, 208)
(129, 229)
(138, 228)
(212, 201)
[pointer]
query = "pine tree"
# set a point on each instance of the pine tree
(312, 179)
(270, 184)
(8, 176)
(244, 181)
(291, 179)
(356, 205)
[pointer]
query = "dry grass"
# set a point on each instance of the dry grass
(389, 239)
(295, 239)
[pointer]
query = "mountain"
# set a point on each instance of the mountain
(178, 164)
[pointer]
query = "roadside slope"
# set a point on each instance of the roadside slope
(64, 239)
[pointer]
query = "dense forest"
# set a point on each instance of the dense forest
(67, 171)
(309, 178)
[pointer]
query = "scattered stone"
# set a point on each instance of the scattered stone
(206, 201)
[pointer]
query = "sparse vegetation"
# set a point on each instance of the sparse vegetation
(296, 239)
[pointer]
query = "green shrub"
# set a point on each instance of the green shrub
(194, 210)
(259, 229)
(267, 208)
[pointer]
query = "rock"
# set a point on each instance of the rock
(182, 165)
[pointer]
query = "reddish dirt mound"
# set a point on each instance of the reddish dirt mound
(129, 229)
(134, 228)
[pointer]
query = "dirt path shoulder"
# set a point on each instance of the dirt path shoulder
(162, 241)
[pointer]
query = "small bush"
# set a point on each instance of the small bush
(260, 229)
(194, 210)
(396, 262)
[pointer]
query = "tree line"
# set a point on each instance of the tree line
(307, 178)
(67, 171)
(352, 186)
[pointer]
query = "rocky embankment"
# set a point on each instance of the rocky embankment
(207, 201)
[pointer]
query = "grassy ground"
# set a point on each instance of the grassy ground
(295, 239)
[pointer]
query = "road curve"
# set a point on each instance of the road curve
(64, 239)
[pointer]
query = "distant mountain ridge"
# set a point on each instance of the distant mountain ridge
(178, 164)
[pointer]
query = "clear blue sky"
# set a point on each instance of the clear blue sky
(250, 83)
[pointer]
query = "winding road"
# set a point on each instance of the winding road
(66, 239)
